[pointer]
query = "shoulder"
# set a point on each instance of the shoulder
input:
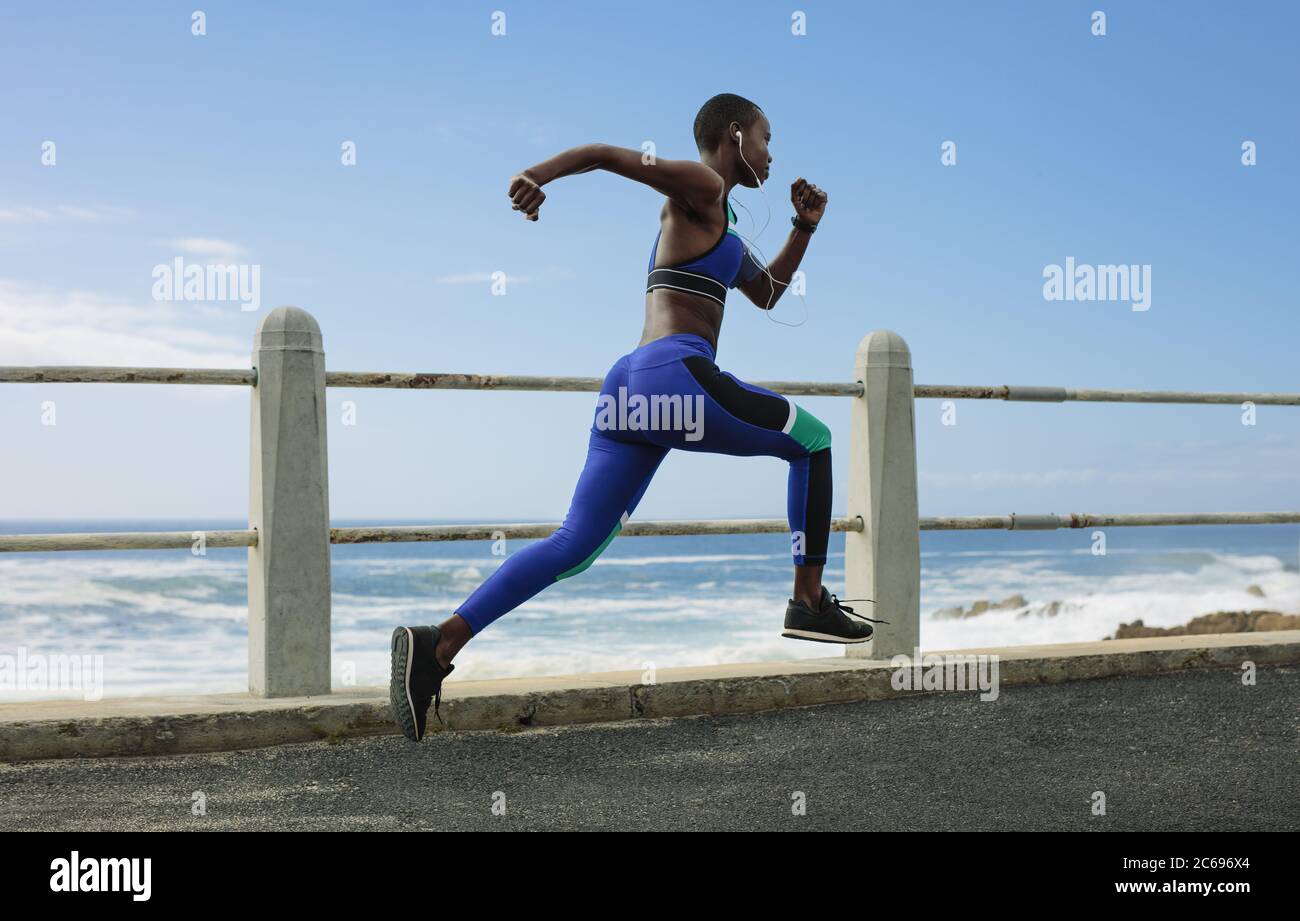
(704, 207)
(702, 190)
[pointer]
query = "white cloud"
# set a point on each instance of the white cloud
(553, 273)
(46, 326)
(26, 214)
(208, 246)
(478, 278)
(23, 214)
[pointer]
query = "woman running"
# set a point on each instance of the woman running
(667, 393)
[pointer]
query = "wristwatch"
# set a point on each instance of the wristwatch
(803, 225)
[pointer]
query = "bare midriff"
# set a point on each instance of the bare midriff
(669, 312)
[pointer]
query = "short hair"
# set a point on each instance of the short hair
(719, 112)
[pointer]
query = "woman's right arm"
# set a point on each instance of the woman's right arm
(690, 184)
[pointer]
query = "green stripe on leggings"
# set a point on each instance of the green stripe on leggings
(595, 553)
(810, 431)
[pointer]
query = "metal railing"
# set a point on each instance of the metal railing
(289, 535)
(405, 534)
(394, 380)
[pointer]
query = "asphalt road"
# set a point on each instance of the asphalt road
(1192, 750)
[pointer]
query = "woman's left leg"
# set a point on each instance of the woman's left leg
(612, 482)
(744, 419)
(733, 417)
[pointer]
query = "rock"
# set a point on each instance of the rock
(1138, 629)
(1050, 609)
(1011, 602)
(1218, 622)
(1255, 590)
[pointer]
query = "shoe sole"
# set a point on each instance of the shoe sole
(399, 684)
(823, 637)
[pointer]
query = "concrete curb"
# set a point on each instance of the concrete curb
(181, 725)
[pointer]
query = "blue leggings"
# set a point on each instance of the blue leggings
(667, 394)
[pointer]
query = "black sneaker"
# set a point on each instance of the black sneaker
(831, 624)
(416, 679)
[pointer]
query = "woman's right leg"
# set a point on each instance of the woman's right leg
(618, 469)
(615, 477)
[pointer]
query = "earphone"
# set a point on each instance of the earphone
(740, 142)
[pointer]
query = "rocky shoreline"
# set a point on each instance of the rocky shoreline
(1009, 603)
(1218, 622)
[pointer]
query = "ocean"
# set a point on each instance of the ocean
(168, 622)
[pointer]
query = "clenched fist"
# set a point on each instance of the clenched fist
(808, 200)
(526, 195)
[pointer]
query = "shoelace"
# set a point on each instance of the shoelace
(437, 695)
(848, 610)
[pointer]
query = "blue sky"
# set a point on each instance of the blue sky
(1117, 149)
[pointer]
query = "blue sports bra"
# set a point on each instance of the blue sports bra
(726, 265)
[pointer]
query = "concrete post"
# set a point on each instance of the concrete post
(289, 569)
(884, 560)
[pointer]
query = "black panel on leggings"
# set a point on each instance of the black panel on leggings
(759, 409)
(817, 512)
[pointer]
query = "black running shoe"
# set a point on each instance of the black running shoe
(831, 624)
(416, 679)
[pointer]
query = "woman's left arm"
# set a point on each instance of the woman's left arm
(809, 205)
